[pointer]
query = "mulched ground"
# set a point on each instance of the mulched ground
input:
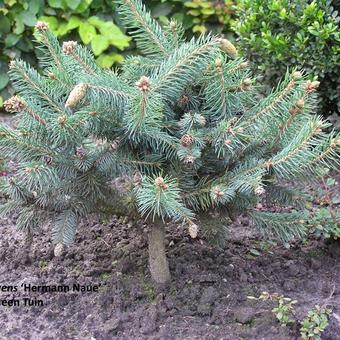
(207, 298)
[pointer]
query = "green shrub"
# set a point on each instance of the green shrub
(76, 19)
(282, 33)
(196, 16)
(325, 215)
(315, 323)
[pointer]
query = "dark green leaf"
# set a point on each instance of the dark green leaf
(4, 79)
(11, 39)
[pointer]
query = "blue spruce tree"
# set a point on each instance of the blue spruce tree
(184, 120)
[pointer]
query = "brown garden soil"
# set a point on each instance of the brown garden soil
(207, 298)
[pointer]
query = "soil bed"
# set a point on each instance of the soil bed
(207, 298)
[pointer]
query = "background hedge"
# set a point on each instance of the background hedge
(280, 34)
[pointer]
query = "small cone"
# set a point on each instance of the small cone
(76, 95)
(229, 48)
(186, 140)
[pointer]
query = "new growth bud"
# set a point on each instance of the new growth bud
(244, 65)
(62, 120)
(14, 104)
(297, 107)
(297, 75)
(69, 47)
(202, 121)
(159, 182)
(217, 193)
(11, 64)
(247, 82)
(41, 26)
(189, 159)
(218, 62)
(143, 84)
(173, 25)
(300, 103)
(259, 190)
(311, 85)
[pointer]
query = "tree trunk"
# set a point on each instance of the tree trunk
(158, 263)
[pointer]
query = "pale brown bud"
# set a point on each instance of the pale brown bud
(311, 85)
(173, 25)
(300, 103)
(297, 75)
(228, 48)
(244, 65)
(315, 84)
(228, 142)
(269, 164)
(334, 143)
(183, 100)
(218, 193)
(193, 230)
(76, 95)
(159, 182)
(51, 75)
(80, 152)
(218, 62)
(202, 120)
(143, 84)
(14, 104)
(186, 140)
(93, 113)
(11, 64)
(62, 120)
(137, 179)
(41, 26)
(189, 159)
(259, 190)
(69, 47)
(58, 249)
(293, 112)
(115, 144)
(247, 82)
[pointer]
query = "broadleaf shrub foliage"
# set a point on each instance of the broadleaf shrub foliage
(67, 19)
(281, 34)
(94, 23)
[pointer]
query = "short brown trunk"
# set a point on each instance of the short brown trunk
(158, 263)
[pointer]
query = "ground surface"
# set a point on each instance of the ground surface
(207, 298)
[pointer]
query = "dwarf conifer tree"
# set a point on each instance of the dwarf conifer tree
(185, 115)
